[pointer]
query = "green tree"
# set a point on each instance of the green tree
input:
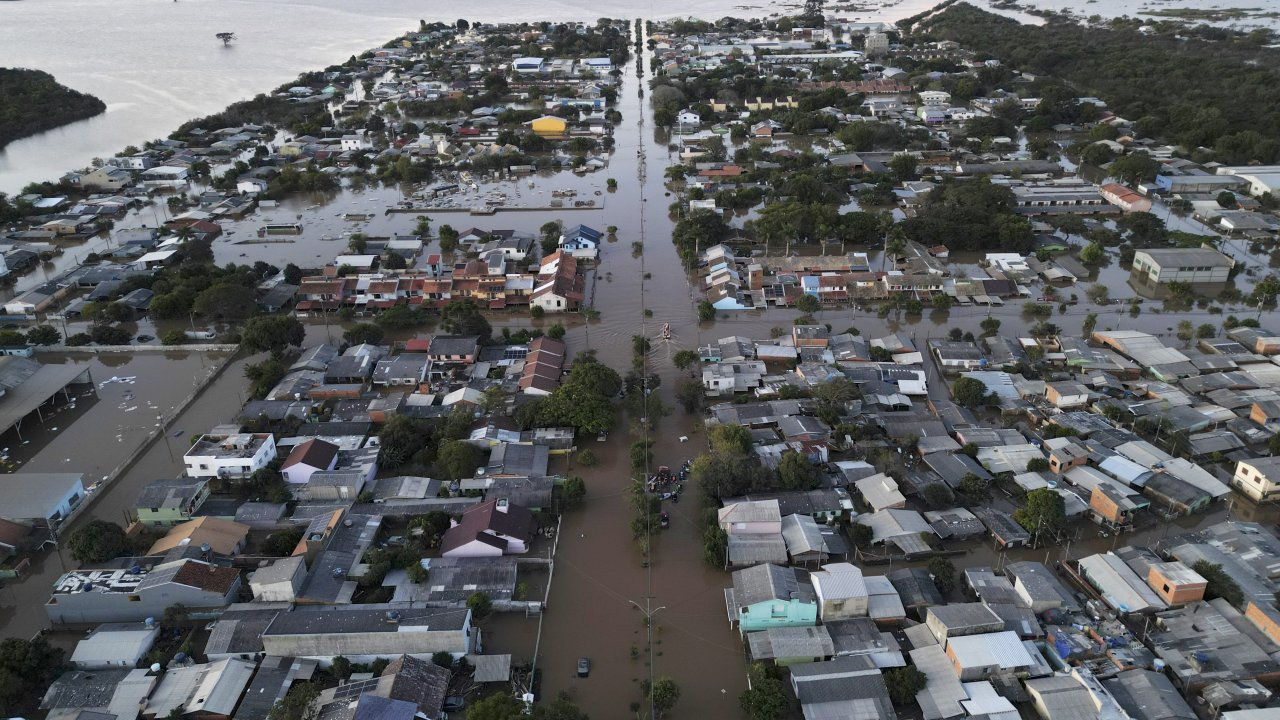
(706, 311)
(990, 326)
(498, 706)
(1093, 254)
(298, 704)
(904, 684)
(863, 536)
(641, 454)
(480, 605)
(903, 166)
(715, 543)
(684, 359)
(767, 697)
(808, 304)
(27, 668)
(969, 392)
(796, 472)
(341, 667)
(1134, 168)
(230, 303)
(937, 495)
(1218, 583)
(462, 317)
(457, 459)
(944, 574)
(282, 542)
(272, 333)
(363, 333)
(44, 335)
(690, 394)
(663, 694)
(575, 491)
(974, 487)
(1090, 322)
(1037, 465)
(97, 541)
(730, 439)
(400, 439)
(1042, 511)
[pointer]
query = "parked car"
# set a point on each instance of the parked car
(454, 703)
(584, 667)
(665, 520)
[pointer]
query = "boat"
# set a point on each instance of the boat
(666, 331)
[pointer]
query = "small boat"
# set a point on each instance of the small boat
(666, 331)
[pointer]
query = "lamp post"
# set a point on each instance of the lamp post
(648, 624)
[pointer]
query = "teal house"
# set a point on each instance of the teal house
(771, 596)
(165, 503)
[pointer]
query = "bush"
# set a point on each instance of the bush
(174, 337)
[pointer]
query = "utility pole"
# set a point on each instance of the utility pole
(648, 625)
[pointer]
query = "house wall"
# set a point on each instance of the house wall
(475, 548)
(1103, 505)
(95, 607)
(1264, 622)
(1248, 480)
(844, 608)
(208, 466)
(1173, 593)
(753, 528)
(777, 613)
(369, 646)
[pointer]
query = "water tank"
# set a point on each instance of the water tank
(1157, 665)
(393, 615)
(205, 548)
(155, 667)
(180, 657)
(151, 622)
(135, 569)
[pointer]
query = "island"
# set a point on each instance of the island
(32, 101)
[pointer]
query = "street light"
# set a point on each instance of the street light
(648, 624)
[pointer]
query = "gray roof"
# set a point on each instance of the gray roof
(28, 384)
(963, 616)
(490, 668)
(29, 496)
(321, 620)
(239, 629)
(170, 493)
(771, 582)
(1149, 695)
(791, 642)
(270, 683)
(855, 696)
(84, 689)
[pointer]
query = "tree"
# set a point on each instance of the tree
(863, 536)
(690, 394)
(97, 541)
(641, 454)
(462, 317)
(969, 392)
(941, 302)
(974, 487)
(498, 706)
(281, 543)
(937, 495)
(706, 311)
(457, 459)
(684, 359)
(27, 667)
(796, 472)
(1093, 254)
(715, 542)
(904, 684)
(400, 438)
(1134, 168)
(341, 667)
(575, 491)
(1218, 583)
(480, 605)
(298, 704)
(903, 166)
(990, 326)
(808, 304)
(43, 335)
(767, 697)
(1090, 322)
(292, 274)
(1042, 511)
(944, 574)
(663, 694)
(448, 239)
(231, 303)
(1206, 330)
(272, 333)
(364, 333)
(1037, 465)
(730, 439)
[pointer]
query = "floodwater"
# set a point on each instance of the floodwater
(102, 435)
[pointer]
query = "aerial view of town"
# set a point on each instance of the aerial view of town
(798, 360)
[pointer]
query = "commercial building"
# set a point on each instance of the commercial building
(1161, 266)
(368, 632)
(236, 455)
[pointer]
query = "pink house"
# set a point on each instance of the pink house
(310, 457)
(490, 529)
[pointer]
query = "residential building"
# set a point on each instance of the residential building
(366, 633)
(115, 645)
(977, 657)
(171, 502)
(493, 528)
(135, 594)
(454, 349)
(1115, 503)
(223, 537)
(1259, 478)
(40, 499)
(1126, 199)
(841, 592)
(960, 619)
(236, 455)
(280, 581)
(1176, 583)
(308, 458)
(207, 690)
(1149, 694)
(881, 492)
(1120, 586)
(768, 596)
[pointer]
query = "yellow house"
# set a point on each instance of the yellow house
(549, 125)
(719, 106)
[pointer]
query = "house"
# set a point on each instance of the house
(760, 517)
(210, 691)
(791, 645)
(842, 688)
(1149, 694)
(960, 619)
(223, 537)
(454, 349)
(493, 528)
(305, 460)
(415, 682)
(977, 657)
(1176, 583)
(40, 499)
(1066, 395)
(543, 366)
(105, 178)
(1259, 478)
(733, 377)
(1161, 266)
(559, 286)
(841, 592)
(581, 241)
(1115, 503)
(280, 581)
(237, 455)
(1119, 586)
(1124, 198)
(881, 492)
(1039, 588)
(135, 594)
(170, 502)
(366, 633)
(115, 645)
(770, 595)
(98, 694)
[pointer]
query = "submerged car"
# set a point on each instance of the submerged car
(584, 667)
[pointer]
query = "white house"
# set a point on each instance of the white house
(756, 517)
(280, 581)
(115, 645)
(229, 456)
(490, 529)
(352, 143)
(842, 592)
(310, 457)
(727, 378)
(688, 120)
(1258, 478)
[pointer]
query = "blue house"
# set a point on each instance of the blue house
(581, 241)
(769, 596)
